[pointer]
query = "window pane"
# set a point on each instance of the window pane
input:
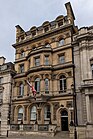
(33, 113)
(20, 114)
(37, 61)
(22, 68)
(46, 85)
(37, 84)
(61, 42)
(22, 54)
(62, 59)
(47, 112)
(46, 60)
(21, 91)
(62, 83)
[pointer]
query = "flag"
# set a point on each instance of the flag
(32, 88)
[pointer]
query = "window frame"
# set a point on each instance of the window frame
(37, 63)
(37, 85)
(22, 55)
(46, 86)
(61, 42)
(47, 112)
(61, 58)
(46, 60)
(21, 89)
(33, 113)
(62, 84)
(21, 68)
(20, 113)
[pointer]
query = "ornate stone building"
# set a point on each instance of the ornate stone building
(6, 80)
(83, 56)
(44, 57)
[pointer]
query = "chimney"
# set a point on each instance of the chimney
(70, 13)
(2, 60)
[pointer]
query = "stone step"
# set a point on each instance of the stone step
(63, 135)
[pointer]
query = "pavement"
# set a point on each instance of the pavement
(57, 136)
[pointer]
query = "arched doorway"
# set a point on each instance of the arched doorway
(64, 120)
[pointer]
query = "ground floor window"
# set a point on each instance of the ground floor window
(20, 114)
(47, 113)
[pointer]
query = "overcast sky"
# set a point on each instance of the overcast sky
(28, 13)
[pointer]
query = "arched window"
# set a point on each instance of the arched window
(20, 113)
(21, 89)
(46, 85)
(61, 42)
(22, 54)
(37, 85)
(62, 83)
(47, 45)
(33, 113)
(47, 113)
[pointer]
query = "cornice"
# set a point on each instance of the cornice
(42, 36)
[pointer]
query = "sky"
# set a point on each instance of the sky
(28, 13)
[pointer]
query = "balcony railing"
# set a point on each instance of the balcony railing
(29, 127)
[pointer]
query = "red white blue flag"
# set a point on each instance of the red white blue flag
(32, 88)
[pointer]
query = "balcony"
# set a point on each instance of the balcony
(63, 65)
(40, 68)
(87, 83)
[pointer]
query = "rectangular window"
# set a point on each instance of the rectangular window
(62, 59)
(21, 68)
(37, 61)
(46, 60)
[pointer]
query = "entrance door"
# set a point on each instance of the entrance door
(64, 120)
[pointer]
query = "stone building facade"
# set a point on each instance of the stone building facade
(83, 57)
(6, 80)
(44, 57)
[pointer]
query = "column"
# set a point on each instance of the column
(88, 109)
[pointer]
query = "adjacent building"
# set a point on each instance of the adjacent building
(83, 56)
(6, 81)
(44, 57)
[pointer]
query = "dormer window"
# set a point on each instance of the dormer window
(33, 33)
(61, 42)
(46, 28)
(60, 23)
